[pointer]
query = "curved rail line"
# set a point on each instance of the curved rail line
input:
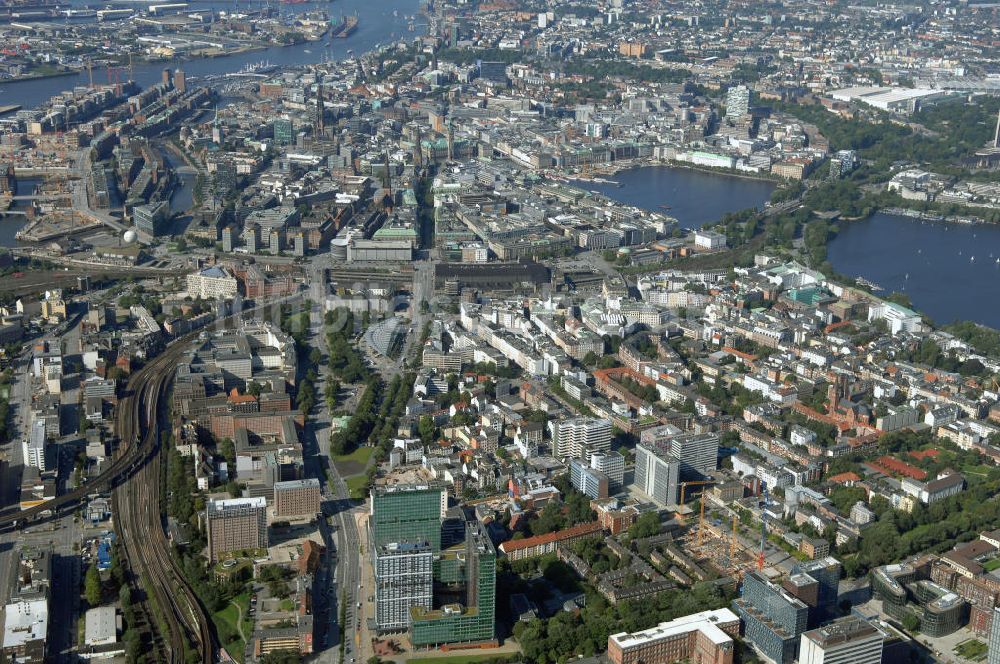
(137, 510)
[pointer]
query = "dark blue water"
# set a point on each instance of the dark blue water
(949, 271)
(695, 197)
(377, 25)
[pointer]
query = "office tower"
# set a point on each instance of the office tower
(468, 570)
(698, 453)
(852, 640)
(296, 498)
(403, 580)
(166, 78)
(993, 654)
(152, 218)
(408, 513)
(657, 473)
(701, 637)
(826, 571)
(579, 437)
(180, 81)
(227, 238)
(493, 71)
(284, 131)
(611, 464)
(737, 101)
(236, 524)
(33, 447)
(588, 481)
(772, 619)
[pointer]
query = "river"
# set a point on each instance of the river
(694, 197)
(377, 25)
(949, 271)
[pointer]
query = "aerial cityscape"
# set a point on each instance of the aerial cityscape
(499, 331)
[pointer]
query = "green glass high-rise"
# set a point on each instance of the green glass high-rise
(471, 569)
(408, 518)
(408, 513)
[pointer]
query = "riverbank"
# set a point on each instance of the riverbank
(40, 76)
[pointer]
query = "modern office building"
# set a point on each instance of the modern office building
(403, 580)
(236, 524)
(493, 71)
(284, 131)
(852, 640)
(657, 473)
(587, 480)
(408, 513)
(611, 464)
(993, 653)
(152, 218)
(737, 101)
(211, 283)
(579, 437)
(705, 637)
(698, 453)
(297, 498)
(772, 619)
(826, 572)
(468, 571)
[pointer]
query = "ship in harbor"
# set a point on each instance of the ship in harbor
(343, 28)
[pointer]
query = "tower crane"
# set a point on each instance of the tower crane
(763, 527)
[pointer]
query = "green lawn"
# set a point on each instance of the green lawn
(971, 649)
(226, 625)
(354, 463)
(357, 485)
(455, 659)
(991, 565)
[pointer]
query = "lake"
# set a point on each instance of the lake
(949, 271)
(695, 197)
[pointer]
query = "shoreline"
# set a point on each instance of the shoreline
(38, 77)
(606, 172)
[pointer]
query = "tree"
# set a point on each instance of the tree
(646, 525)
(426, 429)
(227, 448)
(315, 355)
(92, 586)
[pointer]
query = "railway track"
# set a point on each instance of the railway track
(136, 505)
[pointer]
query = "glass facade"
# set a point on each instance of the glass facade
(408, 513)
(473, 621)
(772, 620)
